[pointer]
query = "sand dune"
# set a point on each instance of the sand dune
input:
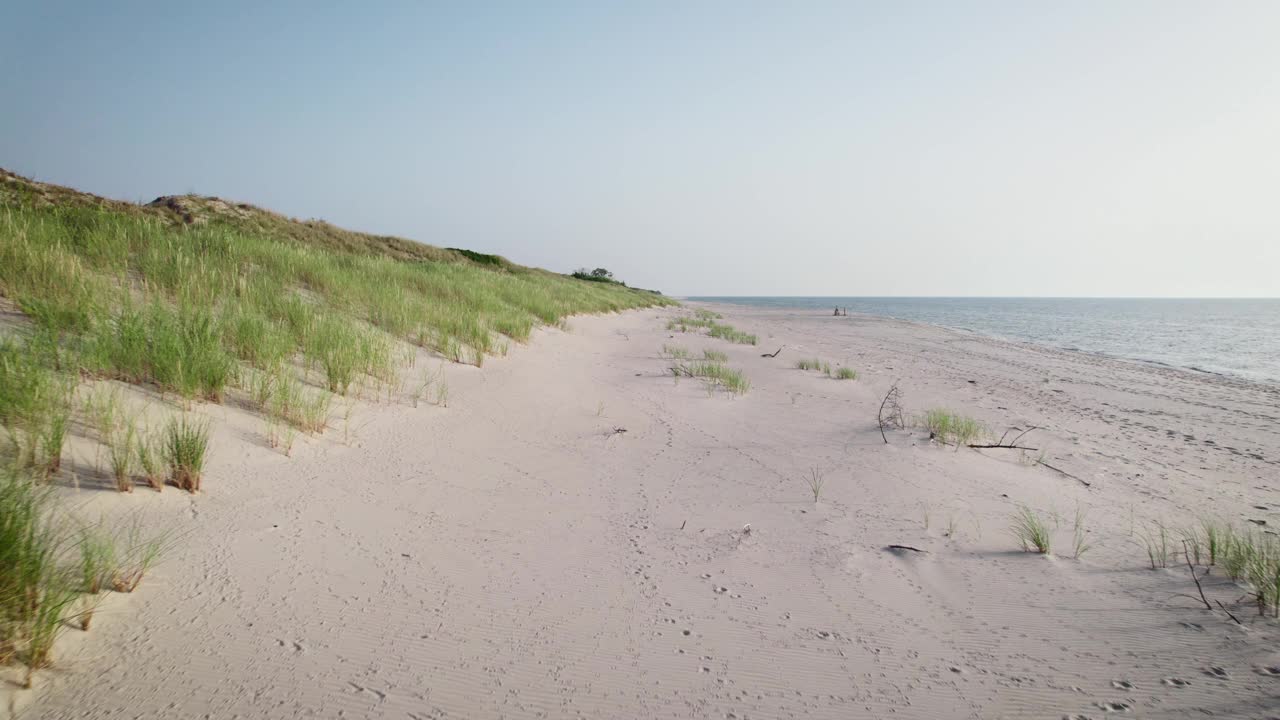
(516, 555)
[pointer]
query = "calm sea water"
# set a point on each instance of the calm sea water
(1230, 337)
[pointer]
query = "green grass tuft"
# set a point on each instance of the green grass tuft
(728, 332)
(676, 352)
(715, 374)
(952, 429)
(185, 443)
(1031, 531)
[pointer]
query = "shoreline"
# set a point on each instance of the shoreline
(515, 555)
(1227, 374)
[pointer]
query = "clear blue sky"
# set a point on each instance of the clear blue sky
(905, 148)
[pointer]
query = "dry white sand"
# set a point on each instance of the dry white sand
(514, 556)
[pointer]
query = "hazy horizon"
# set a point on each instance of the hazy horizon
(995, 149)
(698, 296)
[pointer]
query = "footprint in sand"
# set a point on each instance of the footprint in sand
(1272, 670)
(1217, 672)
(1122, 684)
(1114, 707)
(1176, 682)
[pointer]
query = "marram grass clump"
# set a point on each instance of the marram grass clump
(52, 567)
(1031, 531)
(185, 442)
(950, 428)
(715, 375)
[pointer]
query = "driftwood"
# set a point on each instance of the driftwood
(771, 355)
(1187, 554)
(905, 547)
(1002, 445)
(1228, 612)
(1080, 480)
(1195, 578)
(890, 412)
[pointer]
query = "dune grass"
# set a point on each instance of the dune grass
(121, 447)
(688, 324)
(1079, 542)
(138, 552)
(824, 367)
(728, 332)
(35, 405)
(715, 375)
(714, 329)
(815, 481)
(1154, 537)
(45, 569)
(1031, 531)
(97, 558)
(184, 444)
(149, 460)
(950, 428)
(36, 588)
(714, 356)
(1249, 557)
(676, 352)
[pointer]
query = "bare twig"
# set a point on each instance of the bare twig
(1011, 445)
(1024, 432)
(890, 412)
(772, 354)
(906, 547)
(1228, 612)
(1187, 554)
(1082, 481)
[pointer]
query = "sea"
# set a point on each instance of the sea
(1234, 337)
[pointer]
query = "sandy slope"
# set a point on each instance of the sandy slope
(514, 556)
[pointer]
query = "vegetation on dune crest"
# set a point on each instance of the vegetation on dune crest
(188, 293)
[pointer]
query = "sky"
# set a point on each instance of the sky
(1091, 148)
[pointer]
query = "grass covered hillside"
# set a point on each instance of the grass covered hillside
(198, 298)
(195, 295)
(186, 291)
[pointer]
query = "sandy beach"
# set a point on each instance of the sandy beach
(580, 534)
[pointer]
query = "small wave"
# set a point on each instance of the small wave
(1202, 370)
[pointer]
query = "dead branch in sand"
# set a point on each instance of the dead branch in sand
(1080, 480)
(890, 413)
(1002, 445)
(773, 354)
(1228, 612)
(1187, 554)
(1200, 589)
